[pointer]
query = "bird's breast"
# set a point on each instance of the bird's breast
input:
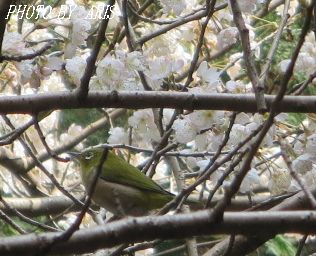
(120, 199)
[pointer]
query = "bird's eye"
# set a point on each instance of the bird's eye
(88, 155)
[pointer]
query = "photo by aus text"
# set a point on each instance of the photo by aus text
(64, 12)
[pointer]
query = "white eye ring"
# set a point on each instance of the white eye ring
(88, 155)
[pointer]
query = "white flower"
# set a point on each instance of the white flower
(252, 178)
(303, 163)
(257, 120)
(311, 144)
(282, 117)
(309, 43)
(310, 178)
(187, 32)
(237, 133)
(139, 118)
(177, 6)
(70, 50)
(215, 141)
(208, 75)
(279, 182)
(215, 176)
(292, 9)
(299, 144)
(14, 44)
(247, 6)
(76, 67)
(184, 130)
(143, 123)
(204, 88)
(80, 25)
(202, 119)
(74, 130)
(242, 118)
(118, 136)
(227, 37)
(284, 64)
(235, 86)
(202, 141)
(251, 127)
(54, 83)
(159, 68)
(176, 65)
(305, 63)
(26, 68)
(54, 63)
(202, 164)
(135, 61)
(190, 161)
(49, 65)
(167, 115)
(111, 72)
(234, 71)
(131, 85)
(80, 32)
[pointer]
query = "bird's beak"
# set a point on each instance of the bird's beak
(73, 156)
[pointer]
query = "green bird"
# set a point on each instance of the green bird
(121, 188)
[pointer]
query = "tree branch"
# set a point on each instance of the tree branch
(30, 104)
(164, 227)
(85, 80)
(4, 8)
(257, 85)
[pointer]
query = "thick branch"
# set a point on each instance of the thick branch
(164, 227)
(30, 104)
(39, 206)
(4, 7)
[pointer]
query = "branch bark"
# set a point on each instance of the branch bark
(85, 80)
(32, 104)
(4, 8)
(39, 206)
(163, 227)
(257, 85)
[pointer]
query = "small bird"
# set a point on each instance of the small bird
(121, 188)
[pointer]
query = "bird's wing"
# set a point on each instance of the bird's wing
(117, 170)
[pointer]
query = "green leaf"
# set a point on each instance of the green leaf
(296, 118)
(280, 246)
(84, 117)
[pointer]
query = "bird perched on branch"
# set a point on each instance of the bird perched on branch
(121, 188)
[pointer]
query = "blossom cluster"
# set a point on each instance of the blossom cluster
(164, 56)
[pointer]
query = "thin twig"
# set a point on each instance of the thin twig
(83, 89)
(284, 149)
(210, 10)
(41, 166)
(11, 222)
(274, 46)
(232, 189)
(43, 140)
(27, 56)
(27, 219)
(258, 87)
(66, 235)
(301, 245)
